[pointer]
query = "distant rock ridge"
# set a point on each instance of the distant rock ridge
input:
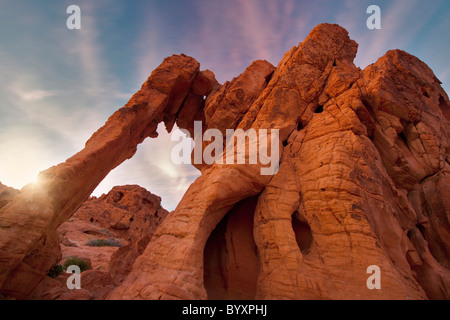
(363, 180)
(131, 213)
(127, 215)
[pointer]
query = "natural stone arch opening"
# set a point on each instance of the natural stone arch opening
(60, 190)
(153, 155)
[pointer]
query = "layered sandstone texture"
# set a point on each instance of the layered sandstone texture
(363, 180)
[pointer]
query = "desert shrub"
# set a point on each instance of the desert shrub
(55, 271)
(104, 243)
(75, 261)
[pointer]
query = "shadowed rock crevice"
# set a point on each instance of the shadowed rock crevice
(303, 234)
(428, 272)
(319, 109)
(434, 225)
(231, 264)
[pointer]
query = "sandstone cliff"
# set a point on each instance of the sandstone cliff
(363, 180)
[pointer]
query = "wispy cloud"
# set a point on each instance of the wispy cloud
(33, 95)
(399, 28)
(58, 86)
(232, 34)
(48, 113)
(229, 36)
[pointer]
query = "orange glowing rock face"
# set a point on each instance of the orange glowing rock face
(362, 186)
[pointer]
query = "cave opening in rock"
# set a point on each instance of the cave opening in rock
(303, 234)
(425, 92)
(231, 264)
(319, 109)
(117, 196)
(403, 138)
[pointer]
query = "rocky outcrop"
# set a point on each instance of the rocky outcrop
(83, 239)
(362, 180)
(131, 213)
(29, 245)
(339, 202)
(110, 232)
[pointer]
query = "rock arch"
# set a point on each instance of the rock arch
(343, 171)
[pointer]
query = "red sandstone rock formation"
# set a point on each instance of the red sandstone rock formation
(75, 236)
(128, 215)
(338, 203)
(131, 213)
(29, 244)
(362, 180)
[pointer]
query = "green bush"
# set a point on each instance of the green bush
(104, 243)
(75, 261)
(55, 271)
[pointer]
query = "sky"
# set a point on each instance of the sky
(58, 86)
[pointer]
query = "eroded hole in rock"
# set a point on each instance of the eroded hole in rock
(421, 228)
(319, 109)
(285, 143)
(117, 196)
(303, 234)
(425, 92)
(231, 264)
(403, 138)
(410, 234)
(299, 126)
